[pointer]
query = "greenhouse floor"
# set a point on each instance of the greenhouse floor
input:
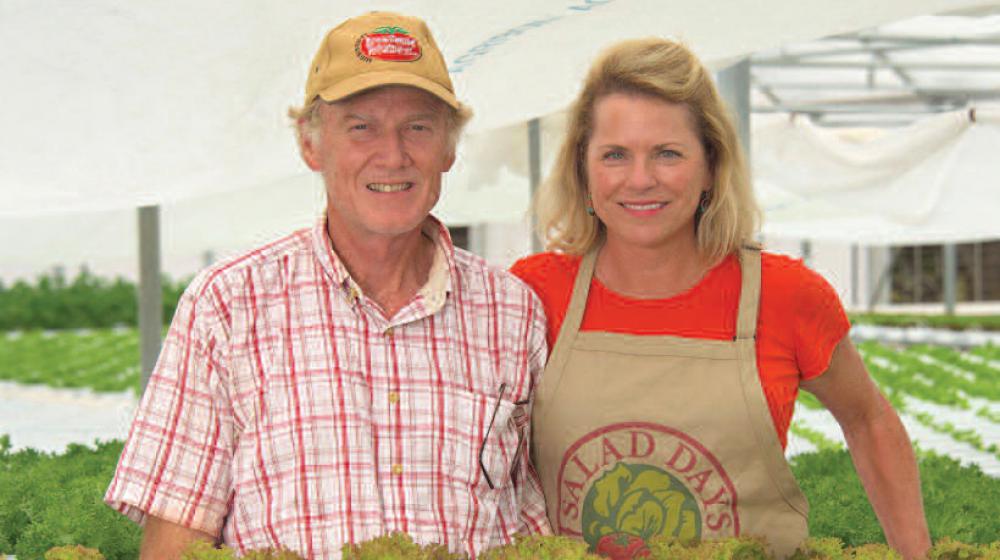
(48, 419)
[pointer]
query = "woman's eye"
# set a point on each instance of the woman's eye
(669, 153)
(613, 155)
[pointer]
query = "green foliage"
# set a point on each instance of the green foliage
(821, 548)
(541, 548)
(964, 435)
(960, 501)
(874, 552)
(51, 500)
(105, 360)
(396, 546)
(815, 437)
(953, 322)
(948, 549)
(86, 301)
(899, 374)
(202, 550)
(739, 548)
(73, 553)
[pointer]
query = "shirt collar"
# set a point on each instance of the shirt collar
(438, 280)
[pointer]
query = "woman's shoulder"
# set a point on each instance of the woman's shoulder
(791, 289)
(551, 276)
(544, 267)
(789, 274)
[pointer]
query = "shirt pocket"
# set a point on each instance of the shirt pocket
(478, 450)
(482, 434)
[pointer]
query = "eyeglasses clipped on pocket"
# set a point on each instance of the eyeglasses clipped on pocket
(519, 417)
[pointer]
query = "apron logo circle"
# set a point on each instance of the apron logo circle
(625, 483)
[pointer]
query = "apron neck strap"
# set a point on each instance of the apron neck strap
(581, 289)
(746, 320)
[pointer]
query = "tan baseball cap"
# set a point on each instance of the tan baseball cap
(378, 49)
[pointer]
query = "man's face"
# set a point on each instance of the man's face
(381, 154)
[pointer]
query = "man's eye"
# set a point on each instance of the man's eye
(419, 127)
(359, 126)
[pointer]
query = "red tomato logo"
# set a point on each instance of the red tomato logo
(622, 546)
(393, 44)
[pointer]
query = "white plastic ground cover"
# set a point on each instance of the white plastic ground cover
(48, 419)
(923, 335)
(928, 439)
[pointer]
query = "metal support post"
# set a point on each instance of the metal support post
(855, 275)
(734, 86)
(534, 173)
(950, 272)
(150, 293)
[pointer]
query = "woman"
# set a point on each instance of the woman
(678, 348)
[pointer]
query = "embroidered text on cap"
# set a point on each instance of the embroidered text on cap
(391, 44)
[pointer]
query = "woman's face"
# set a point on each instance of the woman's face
(646, 169)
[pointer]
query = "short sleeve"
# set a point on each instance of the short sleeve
(550, 276)
(820, 322)
(176, 461)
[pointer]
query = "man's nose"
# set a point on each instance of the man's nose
(393, 152)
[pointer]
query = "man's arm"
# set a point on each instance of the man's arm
(532, 502)
(879, 446)
(163, 540)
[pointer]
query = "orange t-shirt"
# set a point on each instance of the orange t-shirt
(800, 321)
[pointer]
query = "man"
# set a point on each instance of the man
(358, 378)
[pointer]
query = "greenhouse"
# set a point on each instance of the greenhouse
(141, 145)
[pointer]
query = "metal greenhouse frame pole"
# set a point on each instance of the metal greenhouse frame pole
(150, 294)
(534, 172)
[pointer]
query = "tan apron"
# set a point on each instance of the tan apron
(661, 435)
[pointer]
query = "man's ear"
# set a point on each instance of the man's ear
(308, 145)
(449, 161)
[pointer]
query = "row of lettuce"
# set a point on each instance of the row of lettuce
(56, 301)
(55, 500)
(108, 359)
(398, 546)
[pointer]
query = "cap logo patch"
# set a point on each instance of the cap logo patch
(391, 44)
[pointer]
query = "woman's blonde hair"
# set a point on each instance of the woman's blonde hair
(665, 70)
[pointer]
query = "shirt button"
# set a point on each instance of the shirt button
(397, 469)
(388, 332)
(393, 397)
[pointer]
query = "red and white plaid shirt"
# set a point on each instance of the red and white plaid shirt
(287, 411)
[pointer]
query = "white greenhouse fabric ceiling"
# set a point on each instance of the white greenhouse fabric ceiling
(117, 104)
(888, 76)
(934, 181)
(111, 104)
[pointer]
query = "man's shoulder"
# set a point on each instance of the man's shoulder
(234, 272)
(479, 275)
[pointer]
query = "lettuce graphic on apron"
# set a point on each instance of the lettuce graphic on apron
(640, 500)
